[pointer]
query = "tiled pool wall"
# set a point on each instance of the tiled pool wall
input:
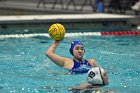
(25, 28)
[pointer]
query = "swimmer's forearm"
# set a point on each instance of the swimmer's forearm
(54, 57)
(52, 47)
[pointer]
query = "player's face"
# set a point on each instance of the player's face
(78, 52)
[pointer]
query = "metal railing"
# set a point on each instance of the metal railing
(119, 6)
(67, 3)
(109, 5)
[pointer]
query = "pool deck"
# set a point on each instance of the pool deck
(61, 15)
(96, 17)
(22, 17)
(67, 18)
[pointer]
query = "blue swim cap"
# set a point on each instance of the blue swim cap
(73, 44)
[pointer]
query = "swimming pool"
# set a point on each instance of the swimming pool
(24, 68)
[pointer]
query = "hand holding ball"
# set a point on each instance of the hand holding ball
(57, 31)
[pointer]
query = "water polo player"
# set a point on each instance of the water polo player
(96, 78)
(76, 65)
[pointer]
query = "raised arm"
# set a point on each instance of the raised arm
(58, 60)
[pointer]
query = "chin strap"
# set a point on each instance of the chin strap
(102, 76)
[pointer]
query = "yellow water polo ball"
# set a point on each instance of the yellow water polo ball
(57, 31)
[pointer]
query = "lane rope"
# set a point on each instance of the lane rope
(72, 34)
(121, 33)
(47, 35)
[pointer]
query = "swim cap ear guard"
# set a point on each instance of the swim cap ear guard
(73, 44)
(95, 76)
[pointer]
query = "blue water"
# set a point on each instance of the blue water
(24, 68)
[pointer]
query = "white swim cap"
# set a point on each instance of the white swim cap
(94, 76)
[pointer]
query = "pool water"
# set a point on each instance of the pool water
(24, 68)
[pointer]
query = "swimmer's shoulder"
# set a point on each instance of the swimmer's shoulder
(68, 63)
